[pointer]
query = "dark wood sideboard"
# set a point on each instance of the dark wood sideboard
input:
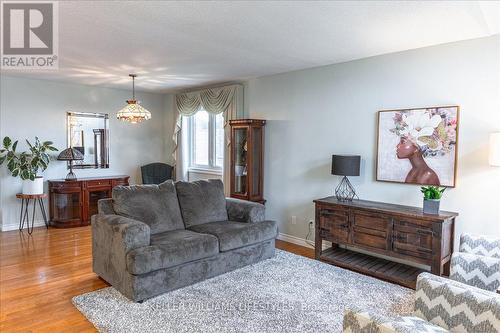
(73, 202)
(392, 231)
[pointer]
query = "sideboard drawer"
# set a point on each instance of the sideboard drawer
(65, 185)
(99, 183)
(412, 239)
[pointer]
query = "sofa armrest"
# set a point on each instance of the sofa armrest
(475, 270)
(105, 206)
(245, 211)
(112, 237)
(480, 245)
(360, 321)
(456, 306)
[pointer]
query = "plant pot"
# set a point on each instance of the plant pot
(33, 186)
(431, 206)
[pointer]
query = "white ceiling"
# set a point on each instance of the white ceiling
(180, 45)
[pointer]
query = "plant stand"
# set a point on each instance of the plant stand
(24, 216)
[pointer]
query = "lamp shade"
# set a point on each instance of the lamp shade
(346, 165)
(70, 154)
(494, 149)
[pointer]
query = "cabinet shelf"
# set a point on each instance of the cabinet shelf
(402, 274)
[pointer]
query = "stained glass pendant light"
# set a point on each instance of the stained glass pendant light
(133, 112)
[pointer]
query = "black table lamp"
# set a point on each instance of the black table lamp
(345, 165)
(70, 154)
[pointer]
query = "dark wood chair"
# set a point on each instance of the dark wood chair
(156, 173)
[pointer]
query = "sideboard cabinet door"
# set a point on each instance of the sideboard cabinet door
(412, 239)
(66, 205)
(334, 225)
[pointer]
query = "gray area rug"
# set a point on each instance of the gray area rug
(288, 293)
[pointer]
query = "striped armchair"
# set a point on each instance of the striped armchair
(478, 262)
(441, 305)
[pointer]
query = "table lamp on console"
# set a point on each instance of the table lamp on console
(345, 165)
(70, 154)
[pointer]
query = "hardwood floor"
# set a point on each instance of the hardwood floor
(39, 275)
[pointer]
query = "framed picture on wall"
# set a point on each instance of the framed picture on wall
(418, 146)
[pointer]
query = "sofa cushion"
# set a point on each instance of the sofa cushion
(155, 205)
(171, 248)
(233, 235)
(201, 201)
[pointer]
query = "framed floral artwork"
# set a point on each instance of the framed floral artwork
(418, 146)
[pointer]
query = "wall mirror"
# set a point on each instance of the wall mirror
(89, 133)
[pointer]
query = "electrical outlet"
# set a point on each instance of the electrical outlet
(294, 219)
(311, 224)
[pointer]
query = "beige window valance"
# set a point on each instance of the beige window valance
(215, 100)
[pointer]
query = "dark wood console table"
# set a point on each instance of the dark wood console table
(393, 231)
(73, 202)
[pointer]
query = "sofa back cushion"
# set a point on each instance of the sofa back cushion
(202, 201)
(155, 205)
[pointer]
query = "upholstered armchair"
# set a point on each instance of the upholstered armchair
(477, 263)
(441, 305)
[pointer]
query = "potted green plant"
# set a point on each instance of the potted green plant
(27, 164)
(432, 198)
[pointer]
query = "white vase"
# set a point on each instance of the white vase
(33, 186)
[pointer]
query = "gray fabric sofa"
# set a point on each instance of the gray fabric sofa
(150, 239)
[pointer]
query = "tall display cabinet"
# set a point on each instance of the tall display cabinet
(247, 159)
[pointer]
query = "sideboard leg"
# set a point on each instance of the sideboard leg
(318, 244)
(437, 268)
(446, 268)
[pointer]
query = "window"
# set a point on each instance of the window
(206, 140)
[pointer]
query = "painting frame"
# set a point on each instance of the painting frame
(453, 173)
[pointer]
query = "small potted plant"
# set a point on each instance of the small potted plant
(432, 198)
(27, 164)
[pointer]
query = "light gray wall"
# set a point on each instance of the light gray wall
(31, 108)
(315, 113)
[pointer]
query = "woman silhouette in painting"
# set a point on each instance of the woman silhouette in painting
(422, 134)
(420, 172)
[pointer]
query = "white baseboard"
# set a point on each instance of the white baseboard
(302, 241)
(294, 240)
(10, 227)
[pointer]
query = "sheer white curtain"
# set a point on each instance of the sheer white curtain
(227, 100)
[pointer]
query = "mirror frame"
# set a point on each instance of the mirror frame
(105, 118)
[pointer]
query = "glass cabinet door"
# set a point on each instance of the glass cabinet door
(66, 206)
(256, 160)
(240, 160)
(95, 195)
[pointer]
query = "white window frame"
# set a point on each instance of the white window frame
(211, 167)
